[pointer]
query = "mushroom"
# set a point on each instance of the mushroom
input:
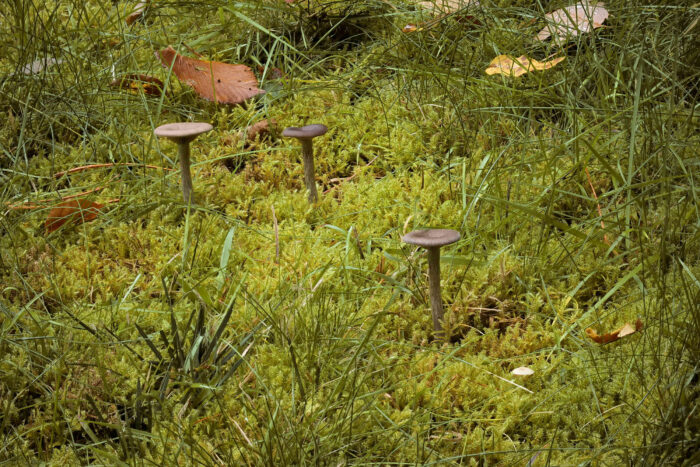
(432, 240)
(305, 134)
(182, 133)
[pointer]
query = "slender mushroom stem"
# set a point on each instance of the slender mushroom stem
(432, 240)
(435, 295)
(183, 134)
(307, 151)
(305, 134)
(183, 151)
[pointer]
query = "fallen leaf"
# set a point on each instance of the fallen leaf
(137, 13)
(135, 82)
(74, 211)
(272, 73)
(625, 330)
(444, 8)
(508, 66)
(37, 66)
(523, 371)
(570, 21)
(447, 6)
(260, 128)
(214, 81)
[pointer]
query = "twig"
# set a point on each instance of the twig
(192, 50)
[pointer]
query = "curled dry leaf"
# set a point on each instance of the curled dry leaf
(272, 73)
(261, 128)
(443, 8)
(625, 330)
(523, 371)
(137, 13)
(572, 20)
(214, 81)
(135, 82)
(508, 66)
(74, 211)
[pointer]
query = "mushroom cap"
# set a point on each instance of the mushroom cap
(182, 132)
(431, 238)
(305, 132)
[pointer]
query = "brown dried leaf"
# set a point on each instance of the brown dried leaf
(261, 128)
(570, 21)
(214, 81)
(137, 13)
(74, 211)
(135, 82)
(625, 330)
(508, 66)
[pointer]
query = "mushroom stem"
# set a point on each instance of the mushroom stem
(307, 151)
(435, 295)
(183, 151)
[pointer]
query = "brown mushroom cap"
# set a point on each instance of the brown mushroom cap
(305, 132)
(182, 132)
(431, 238)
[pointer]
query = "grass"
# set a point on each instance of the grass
(252, 328)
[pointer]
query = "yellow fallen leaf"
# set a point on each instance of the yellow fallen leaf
(508, 66)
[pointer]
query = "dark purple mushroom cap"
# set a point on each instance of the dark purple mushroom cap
(431, 238)
(305, 132)
(182, 132)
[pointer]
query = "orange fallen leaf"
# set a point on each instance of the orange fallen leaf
(515, 67)
(30, 205)
(74, 211)
(570, 21)
(135, 82)
(214, 81)
(625, 330)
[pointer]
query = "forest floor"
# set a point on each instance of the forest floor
(253, 327)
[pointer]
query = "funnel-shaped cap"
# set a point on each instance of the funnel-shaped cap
(305, 132)
(182, 132)
(431, 238)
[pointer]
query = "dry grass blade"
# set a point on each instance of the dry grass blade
(83, 168)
